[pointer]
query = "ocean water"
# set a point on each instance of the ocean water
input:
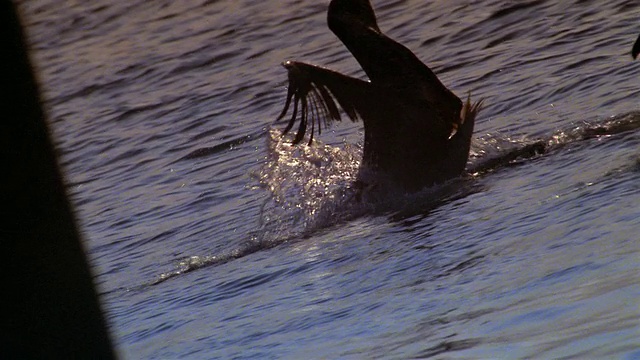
(210, 236)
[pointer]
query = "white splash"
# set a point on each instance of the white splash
(308, 184)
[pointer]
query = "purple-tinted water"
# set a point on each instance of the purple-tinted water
(162, 111)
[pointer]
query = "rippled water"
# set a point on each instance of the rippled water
(211, 237)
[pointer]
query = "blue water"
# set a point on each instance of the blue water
(211, 237)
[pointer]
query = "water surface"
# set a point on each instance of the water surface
(210, 237)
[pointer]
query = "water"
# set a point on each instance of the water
(210, 237)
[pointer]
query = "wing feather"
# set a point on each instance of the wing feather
(314, 91)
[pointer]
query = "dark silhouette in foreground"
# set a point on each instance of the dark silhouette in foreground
(416, 132)
(636, 48)
(50, 307)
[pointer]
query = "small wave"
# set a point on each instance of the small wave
(521, 7)
(192, 263)
(494, 152)
(588, 130)
(202, 63)
(224, 146)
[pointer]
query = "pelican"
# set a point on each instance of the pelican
(417, 133)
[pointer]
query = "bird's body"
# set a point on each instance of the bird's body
(417, 132)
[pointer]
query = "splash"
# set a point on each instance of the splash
(590, 130)
(314, 187)
(493, 152)
(319, 186)
(309, 185)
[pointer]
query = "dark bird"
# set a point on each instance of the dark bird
(417, 133)
(636, 48)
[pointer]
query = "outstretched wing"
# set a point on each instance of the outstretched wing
(314, 92)
(390, 64)
(636, 48)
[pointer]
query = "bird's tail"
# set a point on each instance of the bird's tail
(460, 142)
(469, 110)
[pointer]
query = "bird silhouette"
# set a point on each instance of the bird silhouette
(417, 133)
